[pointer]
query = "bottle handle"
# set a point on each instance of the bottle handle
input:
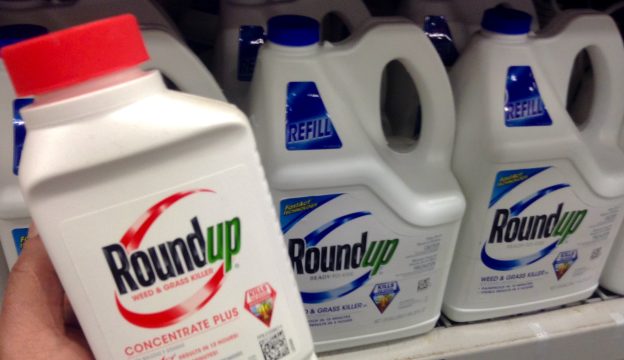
(362, 64)
(568, 35)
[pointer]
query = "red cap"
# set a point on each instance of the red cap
(74, 55)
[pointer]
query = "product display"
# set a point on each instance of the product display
(242, 31)
(370, 240)
(154, 208)
(544, 197)
(361, 179)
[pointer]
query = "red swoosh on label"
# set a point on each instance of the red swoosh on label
(178, 312)
(132, 239)
(134, 236)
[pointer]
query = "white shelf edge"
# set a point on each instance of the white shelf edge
(593, 330)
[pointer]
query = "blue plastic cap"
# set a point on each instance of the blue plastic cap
(293, 30)
(504, 20)
(11, 34)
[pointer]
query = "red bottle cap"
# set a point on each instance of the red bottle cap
(74, 55)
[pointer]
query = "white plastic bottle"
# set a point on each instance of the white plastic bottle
(450, 23)
(370, 227)
(14, 218)
(242, 29)
(152, 205)
(167, 51)
(544, 197)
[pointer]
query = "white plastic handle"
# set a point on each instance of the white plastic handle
(558, 45)
(362, 66)
(180, 65)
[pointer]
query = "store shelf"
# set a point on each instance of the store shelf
(592, 329)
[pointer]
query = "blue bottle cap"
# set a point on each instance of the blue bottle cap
(11, 34)
(504, 20)
(293, 30)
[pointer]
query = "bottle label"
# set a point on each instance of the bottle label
(19, 237)
(308, 124)
(187, 273)
(523, 103)
(439, 33)
(19, 131)
(355, 275)
(250, 39)
(541, 236)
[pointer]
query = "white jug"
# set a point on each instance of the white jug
(544, 197)
(370, 222)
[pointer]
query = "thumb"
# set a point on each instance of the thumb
(34, 296)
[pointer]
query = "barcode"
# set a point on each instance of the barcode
(274, 344)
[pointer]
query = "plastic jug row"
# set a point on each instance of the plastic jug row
(321, 218)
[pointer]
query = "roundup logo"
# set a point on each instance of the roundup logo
(135, 269)
(308, 257)
(509, 226)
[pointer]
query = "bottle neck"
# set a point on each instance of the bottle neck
(92, 96)
(504, 37)
(295, 50)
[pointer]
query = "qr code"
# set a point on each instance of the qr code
(274, 344)
(424, 284)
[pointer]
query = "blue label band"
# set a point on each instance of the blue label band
(505, 265)
(293, 211)
(250, 39)
(508, 180)
(315, 237)
(523, 103)
(19, 131)
(19, 237)
(439, 33)
(308, 124)
(526, 229)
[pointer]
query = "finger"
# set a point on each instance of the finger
(69, 315)
(34, 296)
(32, 322)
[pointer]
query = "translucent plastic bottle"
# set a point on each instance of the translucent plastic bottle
(370, 222)
(152, 205)
(544, 196)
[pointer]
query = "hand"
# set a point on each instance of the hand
(36, 320)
